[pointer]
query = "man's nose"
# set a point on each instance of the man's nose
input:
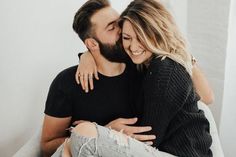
(119, 30)
(118, 33)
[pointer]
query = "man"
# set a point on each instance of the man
(110, 103)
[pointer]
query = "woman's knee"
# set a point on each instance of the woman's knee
(87, 129)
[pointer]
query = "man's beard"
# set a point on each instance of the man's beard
(113, 53)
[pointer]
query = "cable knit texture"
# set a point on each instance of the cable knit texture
(170, 107)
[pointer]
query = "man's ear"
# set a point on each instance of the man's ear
(91, 44)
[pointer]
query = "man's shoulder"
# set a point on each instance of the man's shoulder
(65, 77)
(67, 72)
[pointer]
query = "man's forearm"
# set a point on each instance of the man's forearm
(50, 147)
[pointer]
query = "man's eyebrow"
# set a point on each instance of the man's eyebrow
(110, 23)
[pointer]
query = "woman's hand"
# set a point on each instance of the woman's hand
(87, 69)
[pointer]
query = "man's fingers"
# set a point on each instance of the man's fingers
(91, 81)
(78, 122)
(138, 129)
(129, 121)
(144, 137)
(149, 143)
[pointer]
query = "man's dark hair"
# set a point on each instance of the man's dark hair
(82, 21)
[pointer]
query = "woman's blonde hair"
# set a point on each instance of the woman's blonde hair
(157, 31)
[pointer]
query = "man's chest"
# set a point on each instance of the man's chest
(101, 105)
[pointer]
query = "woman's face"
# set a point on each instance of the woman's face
(132, 45)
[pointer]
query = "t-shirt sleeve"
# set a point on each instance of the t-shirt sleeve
(166, 92)
(58, 103)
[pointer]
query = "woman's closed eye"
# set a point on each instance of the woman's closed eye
(126, 38)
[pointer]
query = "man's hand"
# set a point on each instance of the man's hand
(123, 124)
(78, 122)
(86, 71)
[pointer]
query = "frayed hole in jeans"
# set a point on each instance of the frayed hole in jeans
(119, 137)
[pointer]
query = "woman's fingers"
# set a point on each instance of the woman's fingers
(77, 77)
(96, 73)
(91, 81)
(81, 77)
(86, 88)
(86, 81)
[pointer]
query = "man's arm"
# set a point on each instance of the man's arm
(123, 124)
(53, 134)
(202, 86)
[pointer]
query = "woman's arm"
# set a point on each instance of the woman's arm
(202, 86)
(87, 69)
(166, 89)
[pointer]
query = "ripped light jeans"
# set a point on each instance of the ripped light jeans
(108, 143)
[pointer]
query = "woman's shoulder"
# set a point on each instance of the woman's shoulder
(167, 66)
(158, 63)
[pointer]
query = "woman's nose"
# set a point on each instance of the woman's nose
(134, 46)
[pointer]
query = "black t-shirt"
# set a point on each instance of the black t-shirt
(111, 98)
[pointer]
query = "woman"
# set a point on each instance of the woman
(151, 39)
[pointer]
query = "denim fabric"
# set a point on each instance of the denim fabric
(109, 143)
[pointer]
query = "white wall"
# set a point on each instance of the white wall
(228, 125)
(37, 41)
(207, 30)
(211, 31)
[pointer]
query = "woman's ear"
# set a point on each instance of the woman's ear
(91, 44)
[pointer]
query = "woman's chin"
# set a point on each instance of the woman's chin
(139, 58)
(137, 61)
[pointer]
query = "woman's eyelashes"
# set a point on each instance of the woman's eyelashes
(126, 38)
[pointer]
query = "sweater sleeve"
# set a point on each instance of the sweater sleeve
(165, 92)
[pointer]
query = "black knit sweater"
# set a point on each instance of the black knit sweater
(170, 107)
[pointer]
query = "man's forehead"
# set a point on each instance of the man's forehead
(105, 16)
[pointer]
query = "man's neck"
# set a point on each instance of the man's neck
(107, 67)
